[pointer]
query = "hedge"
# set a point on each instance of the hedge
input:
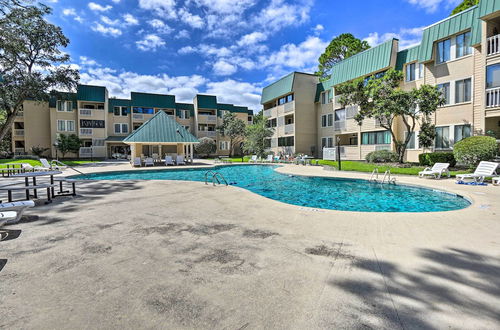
(431, 158)
(472, 150)
(382, 156)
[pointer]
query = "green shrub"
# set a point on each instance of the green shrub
(382, 156)
(431, 158)
(474, 149)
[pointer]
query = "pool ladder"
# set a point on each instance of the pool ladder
(216, 178)
(387, 176)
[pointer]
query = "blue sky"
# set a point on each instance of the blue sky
(230, 48)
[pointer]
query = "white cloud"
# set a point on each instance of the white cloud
(151, 42)
(71, 12)
(252, 39)
(226, 6)
(182, 34)
(164, 8)
(194, 21)
(97, 7)
(280, 14)
(408, 37)
(187, 50)
(130, 19)
(109, 21)
(106, 30)
(236, 92)
(116, 1)
(432, 5)
(85, 61)
(160, 26)
(223, 68)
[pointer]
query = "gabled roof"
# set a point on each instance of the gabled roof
(161, 129)
(487, 7)
(278, 88)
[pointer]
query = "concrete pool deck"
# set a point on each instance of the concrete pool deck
(183, 255)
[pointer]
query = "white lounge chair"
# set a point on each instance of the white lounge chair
(269, 159)
(57, 165)
(137, 161)
(169, 160)
(18, 207)
(180, 160)
(496, 181)
(28, 167)
(7, 216)
(149, 162)
(436, 171)
(483, 170)
(253, 159)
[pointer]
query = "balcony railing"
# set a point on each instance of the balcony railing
(336, 102)
(207, 133)
(274, 143)
(85, 152)
(289, 129)
(493, 45)
(339, 125)
(268, 112)
(138, 116)
(493, 97)
(86, 131)
(289, 107)
(351, 111)
(207, 118)
(85, 112)
(20, 114)
(19, 132)
(19, 151)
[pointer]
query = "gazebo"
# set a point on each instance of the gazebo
(162, 136)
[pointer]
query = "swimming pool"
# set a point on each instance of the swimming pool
(316, 192)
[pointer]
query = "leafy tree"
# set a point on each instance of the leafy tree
(340, 48)
(382, 99)
(206, 146)
(256, 135)
(68, 143)
(31, 59)
(233, 128)
(466, 4)
(38, 151)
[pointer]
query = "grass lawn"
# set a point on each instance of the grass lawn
(37, 162)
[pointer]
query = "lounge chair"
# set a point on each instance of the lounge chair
(483, 170)
(149, 162)
(269, 159)
(436, 171)
(7, 216)
(496, 181)
(169, 160)
(137, 161)
(27, 167)
(180, 160)
(18, 207)
(253, 159)
(57, 165)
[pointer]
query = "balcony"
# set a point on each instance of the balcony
(289, 107)
(493, 45)
(85, 112)
(86, 131)
(268, 112)
(85, 152)
(207, 118)
(289, 129)
(336, 102)
(210, 134)
(20, 114)
(18, 132)
(19, 151)
(138, 116)
(493, 97)
(339, 125)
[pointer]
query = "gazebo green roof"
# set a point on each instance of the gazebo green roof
(161, 129)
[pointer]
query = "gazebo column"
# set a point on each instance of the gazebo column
(191, 151)
(159, 151)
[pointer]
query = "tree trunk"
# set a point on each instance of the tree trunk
(7, 125)
(230, 148)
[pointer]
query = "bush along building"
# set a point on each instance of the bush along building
(460, 55)
(102, 122)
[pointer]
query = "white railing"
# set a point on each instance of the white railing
(20, 114)
(269, 112)
(494, 45)
(339, 125)
(331, 153)
(138, 116)
(351, 111)
(210, 118)
(289, 129)
(85, 152)
(19, 132)
(86, 131)
(383, 147)
(274, 142)
(336, 102)
(493, 97)
(85, 112)
(19, 151)
(289, 107)
(207, 133)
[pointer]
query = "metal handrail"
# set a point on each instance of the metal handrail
(387, 175)
(206, 176)
(374, 172)
(216, 177)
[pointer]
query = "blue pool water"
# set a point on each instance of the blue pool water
(315, 192)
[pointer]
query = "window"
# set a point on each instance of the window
(146, 111)
(289, 98)
(330, 96)
(272, 123)
(120, 111)
(65, 125)
(327, 142)
(462, 132)
(493, 76)
(184, 114)
(421, 70)
(186, 128)
(442, 137)
(323, 98)
(445, 89)
(463, 91)
(443, 51)
(223, 145)
(382, 137)
(64, 106)
(463, 47)
(412, 143)
(286, 141)
(121, 128)
(340, 115)
(411, 72)
(323, 120)
(330, 119)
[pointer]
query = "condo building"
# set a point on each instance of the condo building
(460, 55)
(103, 122)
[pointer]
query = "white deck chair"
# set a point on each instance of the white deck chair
(483, 170)
(436, 171)
(137, 161)
(269, 159)
(28, 167)
(180, 160)
(253, 159)
(18, 207)
(149, 162)
(7, 216)
(57, 165)
(169, 160)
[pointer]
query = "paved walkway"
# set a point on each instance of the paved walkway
(182, 255)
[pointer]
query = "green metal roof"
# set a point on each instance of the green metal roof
(206, 101)
(240, 109)
(91, 93)
(118, 103)
(320, 88)
(225, 106)
(250, 112)
(184, 106)
(115, 138)
(407, 56)
(63, 96)
(487, 7)
(161, 129)
(153, 100)
(463, 21)
(278, 88)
